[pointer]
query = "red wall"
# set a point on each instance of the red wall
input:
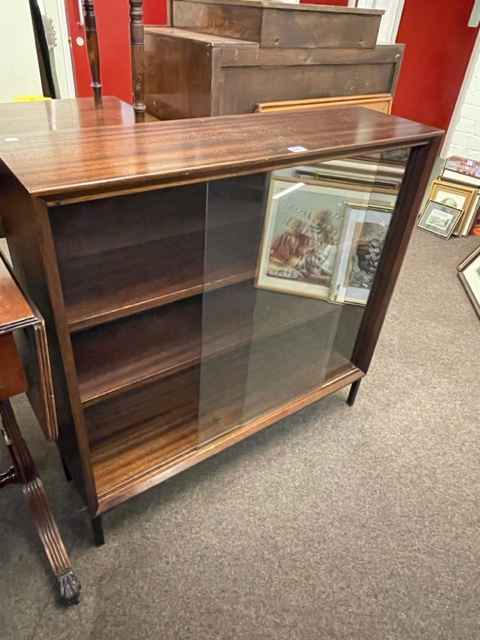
(155, 11)
(438, 43)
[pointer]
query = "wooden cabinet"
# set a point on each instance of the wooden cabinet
(203, 279)
(282, 25)
(227, 56)
(190, 74)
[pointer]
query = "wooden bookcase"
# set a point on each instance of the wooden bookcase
(142, 246)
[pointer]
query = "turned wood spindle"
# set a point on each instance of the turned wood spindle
(137, 42)
(92, 48)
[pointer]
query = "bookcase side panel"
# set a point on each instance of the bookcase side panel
(26, 227)
(417, 174)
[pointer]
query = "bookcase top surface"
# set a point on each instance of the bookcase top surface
(92, 161)
(57, 115)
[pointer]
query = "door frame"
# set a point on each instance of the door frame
(56, 11)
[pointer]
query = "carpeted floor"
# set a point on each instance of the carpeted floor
(337, 523)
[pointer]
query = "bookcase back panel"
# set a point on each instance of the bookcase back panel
(124, 254)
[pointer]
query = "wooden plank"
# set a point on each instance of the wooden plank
(89, 161)
(209, 39)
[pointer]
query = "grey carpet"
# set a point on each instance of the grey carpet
(336, 523)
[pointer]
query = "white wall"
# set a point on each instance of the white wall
(19, 73)
(393, 10)
(463, 138)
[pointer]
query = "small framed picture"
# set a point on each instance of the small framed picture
(360, 249)
(439, 219)
(452, 195)
(469, 274)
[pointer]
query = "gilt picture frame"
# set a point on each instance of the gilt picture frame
(452, 195)
(469, 275)
(439, 219)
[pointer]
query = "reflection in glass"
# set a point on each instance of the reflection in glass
(289, 323)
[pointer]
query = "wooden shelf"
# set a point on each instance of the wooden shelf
(134, 351)
(113, 284)
(130, 439)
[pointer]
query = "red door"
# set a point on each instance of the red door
(439, 44)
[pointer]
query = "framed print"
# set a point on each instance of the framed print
(376, 101)
(439, 219)
(304, 238)
(360, 250)
(469, 274)
(452, 195)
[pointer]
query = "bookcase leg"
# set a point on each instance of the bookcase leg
(98, 535)
(67, 473)
(353, 393)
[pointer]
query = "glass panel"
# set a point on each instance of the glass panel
(307, 244)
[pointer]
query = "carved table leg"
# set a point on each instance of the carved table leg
(137, 44)
(92, 48)
(27, 476)
(98, 534)
(353, 393)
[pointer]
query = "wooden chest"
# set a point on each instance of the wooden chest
(191, 74)
(275, 24)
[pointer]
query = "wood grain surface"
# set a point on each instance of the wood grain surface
(167, 453)
(12, 376)
(281, 24)
(15, 312)
(59, 115)
(95, 160)
(161, 342)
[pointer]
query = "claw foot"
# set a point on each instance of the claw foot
(69, 586)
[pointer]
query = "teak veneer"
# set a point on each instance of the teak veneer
(141, 245)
